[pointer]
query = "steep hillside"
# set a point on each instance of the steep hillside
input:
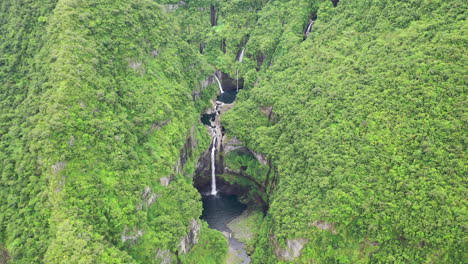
(365, 130)
(351, 120)
(98, 114)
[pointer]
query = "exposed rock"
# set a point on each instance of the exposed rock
(260, 157)
(268, 111)
(324, 226)
(57, 167)
(136, 65)
(225, 107)
(293, 249)
(163, 256)
(233, 144)
(71, 142)
(191, 238)
(158, 125)
(60, 185)
(173, 7)
(155, 53)
(131, 235)
(186, 152)
(165, 181)
(214, 18)
(203, 84)
(148, 198)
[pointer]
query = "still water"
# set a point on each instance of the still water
(218, 211)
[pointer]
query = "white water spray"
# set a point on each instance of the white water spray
(219, 84)
(309, 27)
(241, 56)
(213, 168)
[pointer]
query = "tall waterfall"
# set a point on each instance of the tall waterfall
(213, 167)
(241, 56)
(219, 84)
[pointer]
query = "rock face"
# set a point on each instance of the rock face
(191, 239)
(163, 256)
(173, 7)
(324, 226)
(292, 250)
(131, 235)
(165, 181)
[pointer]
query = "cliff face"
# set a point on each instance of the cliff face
(360, 114)
(96, 108)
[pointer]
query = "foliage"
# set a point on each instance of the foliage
(367, 132)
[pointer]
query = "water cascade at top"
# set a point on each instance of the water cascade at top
(241, 56)
(309, 27)
(219, 84)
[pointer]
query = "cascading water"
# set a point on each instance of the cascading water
(219, 84)
(309, 27)
(213, 167)
(241, 56)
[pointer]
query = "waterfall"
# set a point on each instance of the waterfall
(213, 168)
(309, 27)
(241, 56)
(219, 84)
(237, 80)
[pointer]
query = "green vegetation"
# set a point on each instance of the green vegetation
(363, 123)
(211, 249)
(367, 135)
(96, 107)
(245, 227)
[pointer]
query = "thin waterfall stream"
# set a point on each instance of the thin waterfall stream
(213, 167)
(219, 84)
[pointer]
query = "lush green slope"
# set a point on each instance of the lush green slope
(368, 131)
(365, 137)
(96, 107)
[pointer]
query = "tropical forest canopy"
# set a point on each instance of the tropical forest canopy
(362, 120)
